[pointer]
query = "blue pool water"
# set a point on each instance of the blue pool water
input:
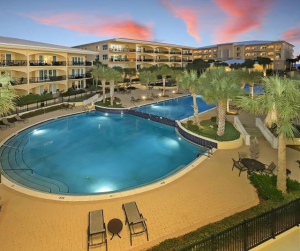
(256, 90)
(175, 109)
(95, 153)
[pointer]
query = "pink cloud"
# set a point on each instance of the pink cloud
(187, 15)
(292, 35)
(243, 16)
(105, 26)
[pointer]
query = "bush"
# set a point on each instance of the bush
(41, 111)
(117, 103)
(72, 92)
(33, 98)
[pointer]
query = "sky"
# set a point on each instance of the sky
(184, 22)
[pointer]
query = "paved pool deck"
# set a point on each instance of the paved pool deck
(208, 193)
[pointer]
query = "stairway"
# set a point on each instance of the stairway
(253, 131)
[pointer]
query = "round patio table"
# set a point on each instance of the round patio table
(115, 226)
(252, 164)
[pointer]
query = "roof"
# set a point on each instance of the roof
(128, 40)
(16, 42)
(252, 42)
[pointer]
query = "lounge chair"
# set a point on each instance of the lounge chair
(128, 91)
(242, 155)
(64, 106)
(238, 166)
(19, 119)
(96, 227)
(5, 122)
(134, 219)
(3, 127)
(133, 100)
(270, 168)
(71, 106)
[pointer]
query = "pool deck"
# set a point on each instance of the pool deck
(208, 193)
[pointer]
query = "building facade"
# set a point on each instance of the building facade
(277, 51)
(129, 53)
(39, 67)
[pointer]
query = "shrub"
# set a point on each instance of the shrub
(41, 111)
(72, 92)
(33, 98)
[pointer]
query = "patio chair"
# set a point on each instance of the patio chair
(242, 155)
(3, 127)
(63, 106)
(71, 106)
(96, 227)
(128, 91)
(134, 219)
(133, 100)
(270, 168)
(237, 164)
(19, 119)
(5, 122)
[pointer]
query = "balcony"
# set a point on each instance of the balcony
(189, 53)
(45, 63)
(119, 60)
(162, 60)
(175, 52)
(187, 60)
(122, 50)
(85, 63)
(47, 79)
(147, 51)
(175, 60)
(145, 60)
(18, 81)
(161, 52)
(5, 63)
(79, 76)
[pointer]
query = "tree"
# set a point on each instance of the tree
(191, 81)
(163, 71)
(264, 62)
(220, 64)
(198, 65)
(113, 75)
(119, 69)
(130, 72)
(7, 95)
(100, 73)
(249, 64)
(236, 66)
(146, 77)
(245, 77)
(216, 87)
(281, 104)
(177, 75)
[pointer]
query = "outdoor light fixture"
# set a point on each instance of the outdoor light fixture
(173, 91)
(144, 97)
(159, 94)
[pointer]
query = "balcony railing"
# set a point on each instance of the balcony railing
(175, 52)
(148, 51)
(162, 52)
(189, 53)
(84, 63)
(46, 63)
(47, 79)
(79, 76)
(175, 60)
(13, 63)
(187, 60)
(119, 60)
(145, 60)
(18, 81)
(162, 60)
(122, 50)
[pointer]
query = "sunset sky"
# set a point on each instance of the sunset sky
(184, 22)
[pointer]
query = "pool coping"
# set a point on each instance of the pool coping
(65, 197)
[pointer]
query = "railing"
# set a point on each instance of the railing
(46, 63)
(252, 232)
(187, 60)
(175, 60)
(162, 52)
(145, 60)
(241, 129)
(122, 50)
(13, 63)
(120, 60)
(162, 60)
(187, 53)
(84, 63)
(175, 52)
(47, 79)
(78, 76)
(269, 136)
(19, 81)
(148, 51)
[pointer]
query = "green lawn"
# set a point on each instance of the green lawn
(209, 130)
(117, 103)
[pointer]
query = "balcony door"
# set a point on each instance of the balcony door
(5, 59)
(46, 75)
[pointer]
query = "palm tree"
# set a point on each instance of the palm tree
(177, 75)
(264, 62)
(130, 72)
(7, 95)
(199, 65)
(146, 77)
(113, 75)
(248, 77)
(216, 87)
(163, 71)
(101, 73)
(190, 81)
(281, 104)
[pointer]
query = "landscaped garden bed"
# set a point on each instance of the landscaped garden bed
(117, 103)
(209, 130)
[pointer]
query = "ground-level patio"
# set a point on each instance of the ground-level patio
(208, 193)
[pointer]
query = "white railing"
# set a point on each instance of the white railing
(239, 126)
(91, 99)
(269, 136)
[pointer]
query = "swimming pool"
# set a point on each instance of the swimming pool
(95, 153)
(257, 89)
(175, 109)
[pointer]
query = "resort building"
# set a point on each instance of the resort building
(40, 67)
(130, 53)
(277, 51)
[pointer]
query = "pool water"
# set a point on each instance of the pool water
(257, 89)
(95, 153)
(175, 109)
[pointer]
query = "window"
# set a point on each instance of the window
(104, 47)
(105, 57)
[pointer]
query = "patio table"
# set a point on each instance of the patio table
(253, 165)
